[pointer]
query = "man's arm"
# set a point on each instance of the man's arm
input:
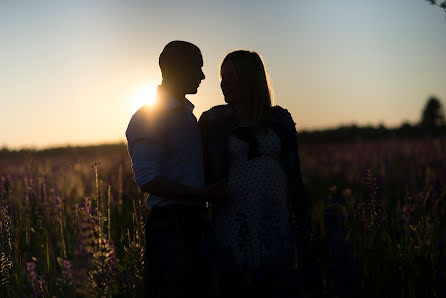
(163, 187)
(146, 149)
(146, 159)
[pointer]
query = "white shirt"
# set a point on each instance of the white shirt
(164, 140)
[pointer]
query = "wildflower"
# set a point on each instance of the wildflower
(103, 270)
(370, 213)
(65, 280)
(38, 283)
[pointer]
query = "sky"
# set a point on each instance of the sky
(74, 72)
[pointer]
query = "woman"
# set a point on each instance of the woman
(254, 146)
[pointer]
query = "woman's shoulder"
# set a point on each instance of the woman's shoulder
(280, 111)
(217, 113)
(281, 118)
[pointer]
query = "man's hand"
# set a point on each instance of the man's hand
(216, 192)
(166, 188)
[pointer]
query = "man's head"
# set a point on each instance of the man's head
(181, 64)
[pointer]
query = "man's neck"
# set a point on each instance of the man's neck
(180, 95)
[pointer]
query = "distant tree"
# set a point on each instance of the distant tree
(405, 126)
(433, 114)
(441, 4)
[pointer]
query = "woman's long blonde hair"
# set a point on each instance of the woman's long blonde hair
(252, 74)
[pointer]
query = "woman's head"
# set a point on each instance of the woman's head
(244, 83)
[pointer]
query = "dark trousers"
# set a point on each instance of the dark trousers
(172, 262)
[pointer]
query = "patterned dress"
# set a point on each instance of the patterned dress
(249, 232)
(252, 228)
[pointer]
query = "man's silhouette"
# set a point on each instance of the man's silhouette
(164, 144)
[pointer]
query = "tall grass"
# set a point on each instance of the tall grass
(57, 228)
(389, 200)
(72, 220)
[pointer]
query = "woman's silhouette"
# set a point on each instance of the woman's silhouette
(258, 230)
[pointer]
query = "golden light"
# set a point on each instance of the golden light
(146, 95)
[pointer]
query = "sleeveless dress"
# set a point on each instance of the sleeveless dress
(252, 228)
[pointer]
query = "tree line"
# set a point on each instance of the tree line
(431, 124)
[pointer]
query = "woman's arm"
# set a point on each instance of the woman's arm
(204, 124)
(284, 126)
(216, 126)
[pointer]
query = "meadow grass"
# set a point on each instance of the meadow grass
(72, 220)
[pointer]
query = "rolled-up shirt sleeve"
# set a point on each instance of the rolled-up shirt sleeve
(145, 147)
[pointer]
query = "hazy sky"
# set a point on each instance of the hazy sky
(71, 72)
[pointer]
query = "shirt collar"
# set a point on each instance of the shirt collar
(171, 102)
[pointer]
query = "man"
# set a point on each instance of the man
(164, 144)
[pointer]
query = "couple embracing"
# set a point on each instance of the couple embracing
(228, 215)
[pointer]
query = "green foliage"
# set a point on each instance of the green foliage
(5, 274)
(441, 4)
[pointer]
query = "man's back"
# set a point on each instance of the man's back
(164, 140)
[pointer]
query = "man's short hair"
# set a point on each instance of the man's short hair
(176, 54)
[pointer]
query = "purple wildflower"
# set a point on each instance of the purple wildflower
(38, 283)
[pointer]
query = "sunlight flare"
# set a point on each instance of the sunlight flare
(145, 95)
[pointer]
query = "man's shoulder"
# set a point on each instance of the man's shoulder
(144, 118)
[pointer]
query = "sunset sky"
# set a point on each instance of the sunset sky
(74, 72)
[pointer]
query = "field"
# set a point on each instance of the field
(72, 220)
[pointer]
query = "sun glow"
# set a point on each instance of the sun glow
(145, 95)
